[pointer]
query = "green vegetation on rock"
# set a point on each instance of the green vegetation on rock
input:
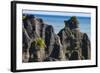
(74, 19)
(23, 17)
(40, 42)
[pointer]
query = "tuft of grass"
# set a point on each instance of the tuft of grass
(23, 17)
(40, 42)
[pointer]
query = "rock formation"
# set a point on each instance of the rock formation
(75, 43)
(33, 29)
(40, 43)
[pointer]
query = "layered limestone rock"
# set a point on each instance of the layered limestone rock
(33, 29)
(40, 43)
(75, 43)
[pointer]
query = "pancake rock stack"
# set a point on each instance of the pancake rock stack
(41, 43)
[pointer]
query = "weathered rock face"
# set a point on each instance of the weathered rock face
(40, 43)
(33, 29)
(72, 23)
(75, 43)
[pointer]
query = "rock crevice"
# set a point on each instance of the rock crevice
(41, 43)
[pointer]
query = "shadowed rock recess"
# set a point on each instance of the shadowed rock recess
(41, 43)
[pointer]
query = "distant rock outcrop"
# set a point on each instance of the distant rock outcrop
(40, 43)
(75, 43)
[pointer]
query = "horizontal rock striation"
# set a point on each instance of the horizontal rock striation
(40, 43)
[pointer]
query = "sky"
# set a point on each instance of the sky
(56, 19)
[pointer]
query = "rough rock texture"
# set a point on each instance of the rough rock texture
(75, 43)
(40, 43)
(34, 28)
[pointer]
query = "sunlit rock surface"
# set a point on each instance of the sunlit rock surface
(40, 43)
